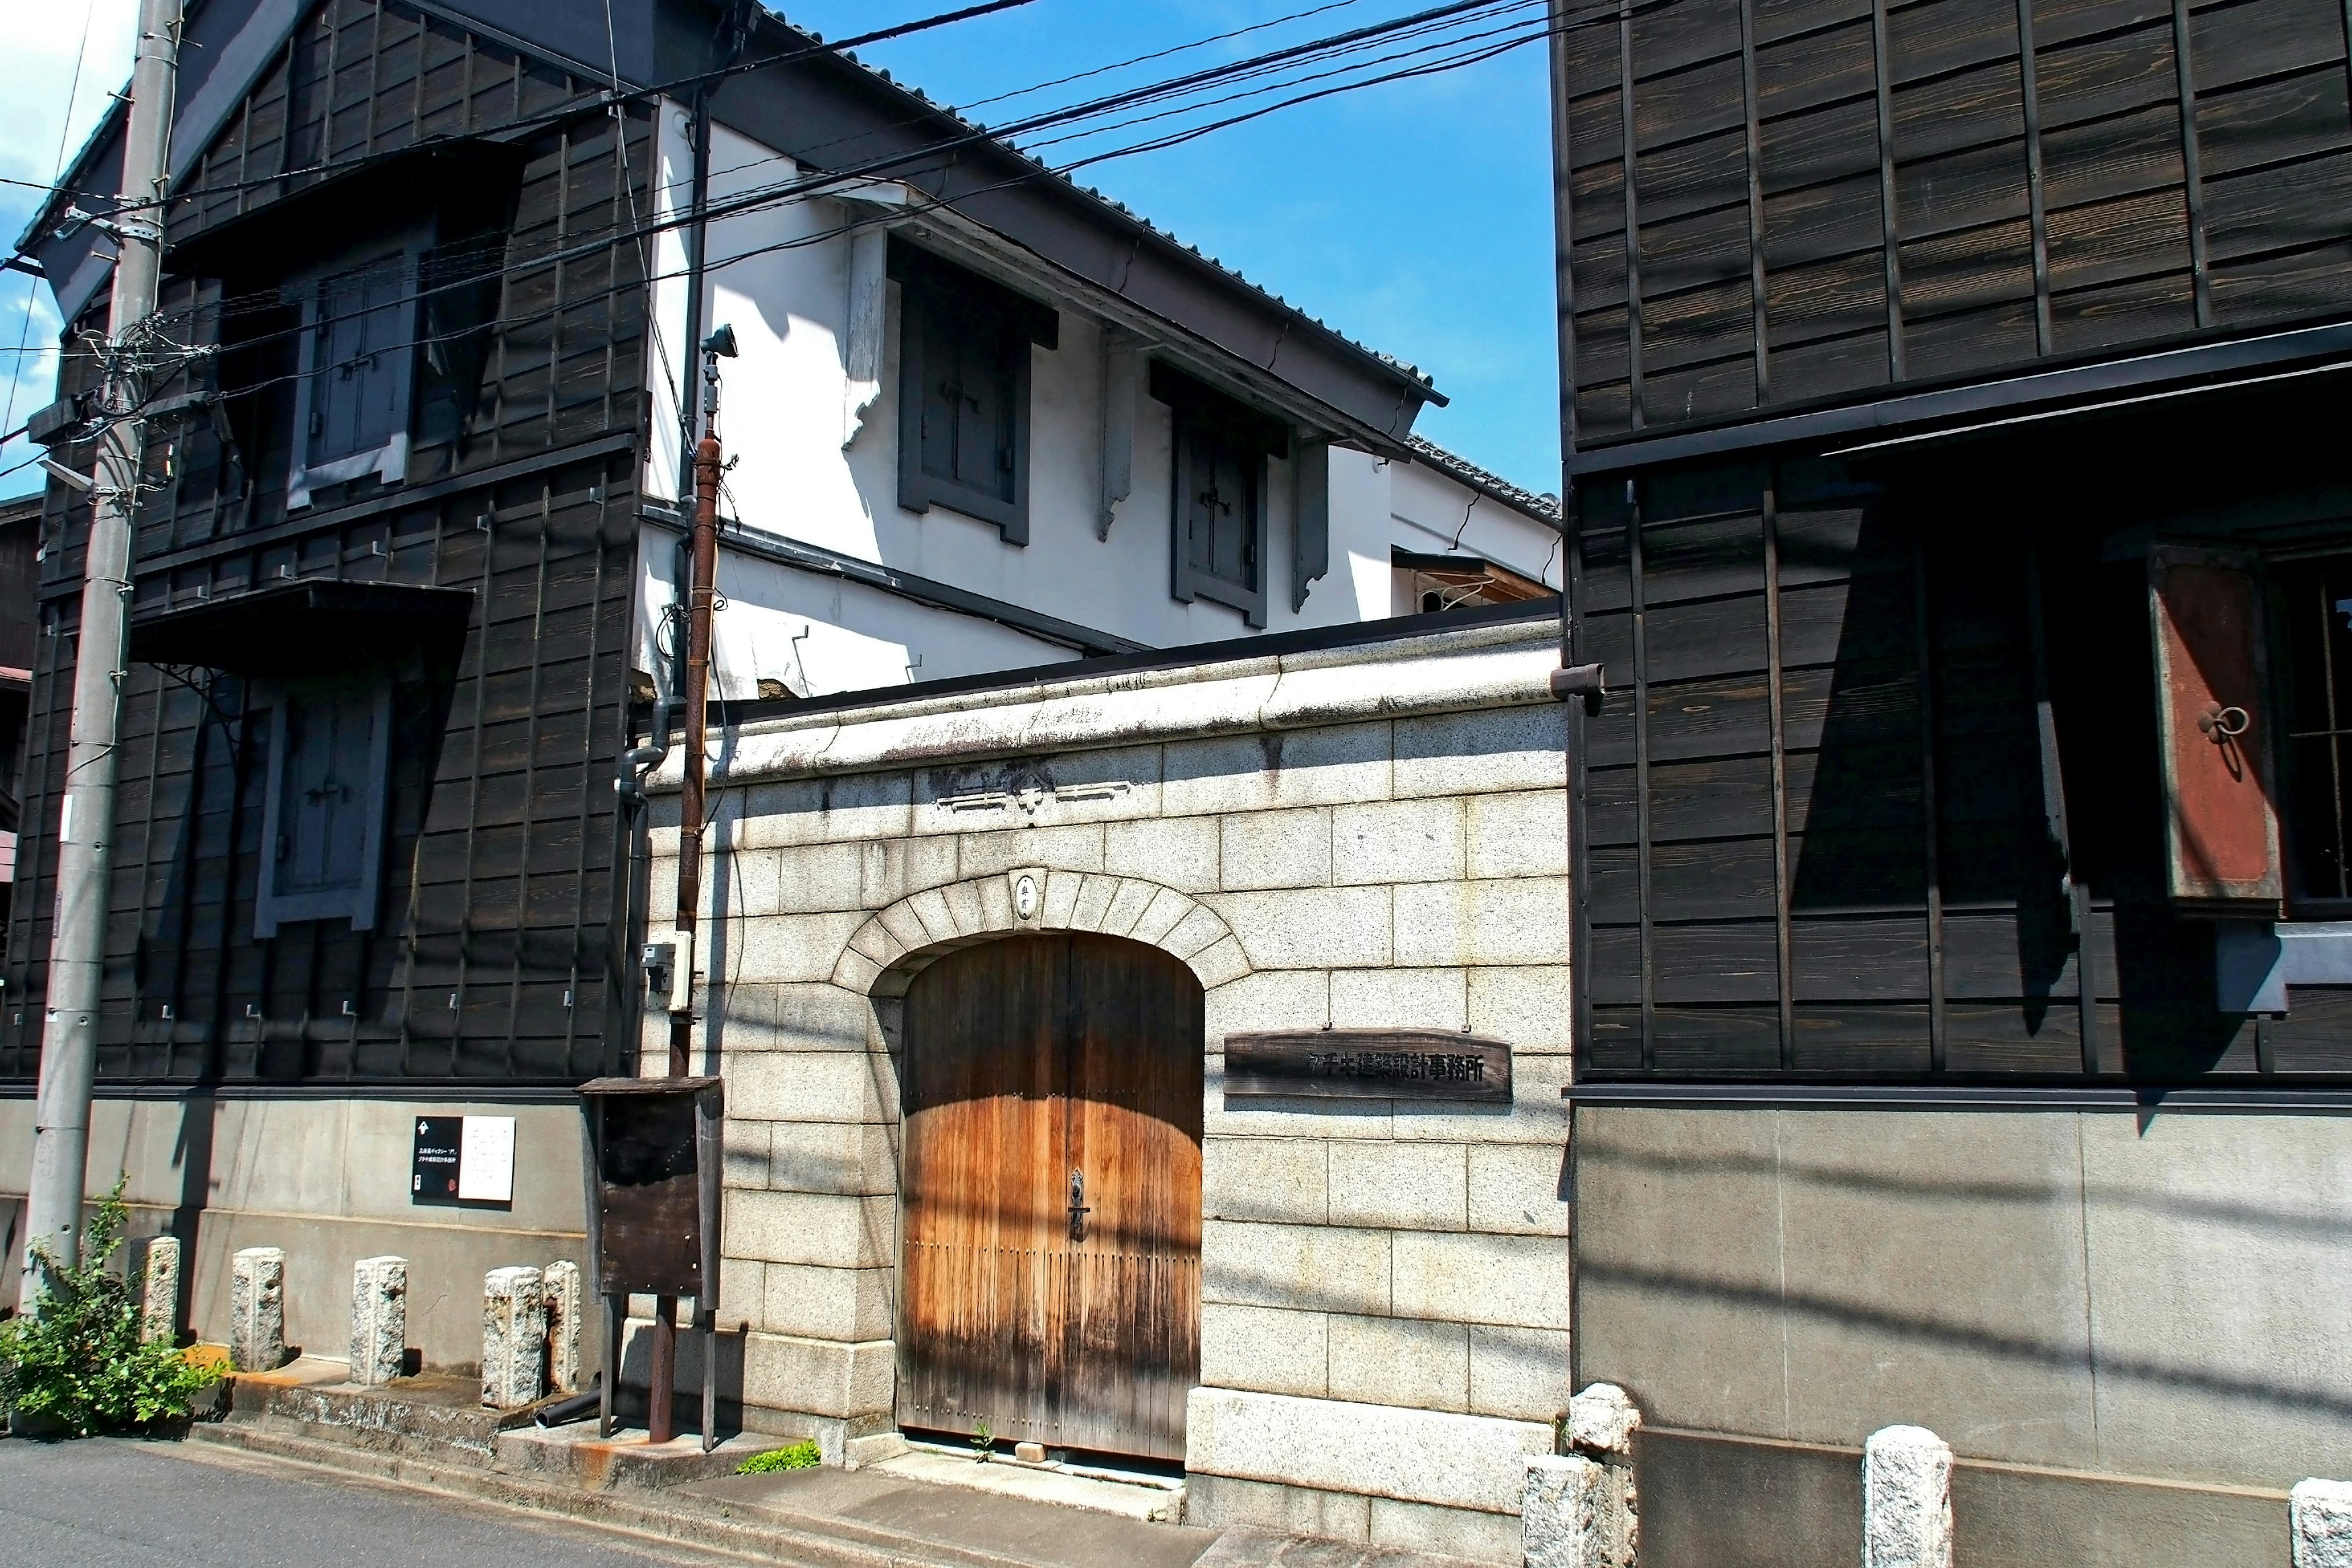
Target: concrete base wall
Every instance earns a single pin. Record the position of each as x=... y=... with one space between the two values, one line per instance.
x=2145 y=1302
x=1715 y=1501
x=327 y=1180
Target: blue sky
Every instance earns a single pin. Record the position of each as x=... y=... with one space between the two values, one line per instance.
x=40 y=46
x=1414 y=216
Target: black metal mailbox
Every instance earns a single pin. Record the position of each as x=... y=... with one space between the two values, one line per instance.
x=655 y=1154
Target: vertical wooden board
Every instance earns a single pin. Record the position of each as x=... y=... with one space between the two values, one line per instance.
x=1030 y=1060
x=2221 y=831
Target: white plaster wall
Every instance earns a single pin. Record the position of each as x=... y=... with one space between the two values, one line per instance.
x=818 y=633
x=780 y=276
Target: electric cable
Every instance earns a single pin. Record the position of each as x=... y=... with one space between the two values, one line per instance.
x=818 y=183
x=56 y=166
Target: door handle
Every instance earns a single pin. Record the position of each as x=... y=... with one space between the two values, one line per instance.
x=1078 y=1209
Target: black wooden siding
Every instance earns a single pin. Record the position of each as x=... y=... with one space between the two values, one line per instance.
x=493 y=957
x=1830 y=197
x=1817 y=841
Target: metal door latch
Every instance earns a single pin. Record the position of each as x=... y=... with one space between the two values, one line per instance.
x=1078 y=1209
x=2222 y=724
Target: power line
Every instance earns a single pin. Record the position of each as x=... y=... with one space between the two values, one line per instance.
x=582 y=105
x=819 y=182
x=822 y=181
x=57 y=172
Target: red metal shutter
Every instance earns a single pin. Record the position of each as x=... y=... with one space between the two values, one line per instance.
x=2221 y=833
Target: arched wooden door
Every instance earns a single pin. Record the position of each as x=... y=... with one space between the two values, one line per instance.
x=1050 y=1220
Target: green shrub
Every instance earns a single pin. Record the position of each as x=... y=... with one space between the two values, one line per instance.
x=80 y=1364
x=801 y=1456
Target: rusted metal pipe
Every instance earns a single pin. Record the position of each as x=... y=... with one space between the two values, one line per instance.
x=700 y=598
x=661 y=1378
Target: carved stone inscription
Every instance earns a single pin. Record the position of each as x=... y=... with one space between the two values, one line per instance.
x=1368 y=1064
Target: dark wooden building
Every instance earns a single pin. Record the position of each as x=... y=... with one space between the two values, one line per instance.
x=1954 y=415
x=415 y=668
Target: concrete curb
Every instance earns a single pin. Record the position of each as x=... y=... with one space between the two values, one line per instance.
x=776 y=1536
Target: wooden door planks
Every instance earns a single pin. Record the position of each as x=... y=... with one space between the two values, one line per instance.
x=1030 y=1059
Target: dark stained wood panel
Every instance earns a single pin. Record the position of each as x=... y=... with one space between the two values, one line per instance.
x=1916 y=225
x=493 y=955
x=1051 y=1191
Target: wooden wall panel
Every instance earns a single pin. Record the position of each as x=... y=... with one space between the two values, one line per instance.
x=2111 y=217
x=492 y=956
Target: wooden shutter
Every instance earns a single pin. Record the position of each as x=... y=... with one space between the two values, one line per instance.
x=361 y=361
x=2221 y=832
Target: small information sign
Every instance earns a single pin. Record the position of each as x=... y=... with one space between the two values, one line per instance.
x=1369 y=1064
x=486 y=1161
x=433 y=1171
x=463 y=1160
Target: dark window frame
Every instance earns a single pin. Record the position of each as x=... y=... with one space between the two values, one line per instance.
x=357 y=902
x=1200 y=414
x=944 y=308
x=387 y=461
x=2283 y=575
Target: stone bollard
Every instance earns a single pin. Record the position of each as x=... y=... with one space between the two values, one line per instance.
x=560 y=1279
x=256 y=1310
x=1580 y=1509
x=514 y=1337
x=159 y=1292
x=1907 y=1500
x=2319 y=1516
x=379 y=1319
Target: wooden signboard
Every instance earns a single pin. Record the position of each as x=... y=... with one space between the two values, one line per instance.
x=1369 y=1064
x=2221 y=830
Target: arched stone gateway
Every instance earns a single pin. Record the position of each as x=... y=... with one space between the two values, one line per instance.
x=1050 y=1188
x=1050 y=1220
x=885 y=954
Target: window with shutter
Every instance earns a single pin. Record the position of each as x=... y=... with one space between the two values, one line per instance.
x=323 y=807
x=1218 y=506
x=963 y=404
x=2222 y=829
x=358 y=355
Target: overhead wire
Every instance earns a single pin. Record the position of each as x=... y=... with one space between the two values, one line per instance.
x=818 y=183
x=56 y=167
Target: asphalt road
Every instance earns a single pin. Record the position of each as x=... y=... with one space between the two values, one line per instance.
x=120 y=1503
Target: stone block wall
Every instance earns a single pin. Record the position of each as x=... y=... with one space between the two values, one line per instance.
x=1385 y=1284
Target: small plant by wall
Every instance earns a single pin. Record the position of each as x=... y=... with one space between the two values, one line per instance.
x=801 y=1456
x=80 y=1366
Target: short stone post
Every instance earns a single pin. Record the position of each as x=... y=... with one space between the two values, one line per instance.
x=159 y=1292
x=256 y=1310
x=514 y=1337
x=379 y=1319
x=562 y=1281
x=1907 y=1500
x=1579 y=1508
x=2319 y=1516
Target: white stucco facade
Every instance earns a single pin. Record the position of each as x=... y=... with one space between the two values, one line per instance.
x=814 y=446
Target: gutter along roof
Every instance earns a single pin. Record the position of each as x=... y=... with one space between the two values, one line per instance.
x=1104 y=258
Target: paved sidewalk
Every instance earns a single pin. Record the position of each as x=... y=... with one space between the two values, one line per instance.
x=121 y=1503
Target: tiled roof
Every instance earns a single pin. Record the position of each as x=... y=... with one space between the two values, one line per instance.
x=1545 y=507
x=1401 y=366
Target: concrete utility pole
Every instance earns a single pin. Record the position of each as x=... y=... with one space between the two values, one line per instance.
x=86 y=821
